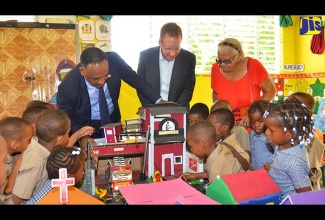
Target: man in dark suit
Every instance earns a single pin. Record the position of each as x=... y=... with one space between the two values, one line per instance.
x=78 y=92
x=169 y=68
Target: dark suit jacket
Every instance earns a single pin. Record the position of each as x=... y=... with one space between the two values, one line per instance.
x=182 y=81
x=73 y=97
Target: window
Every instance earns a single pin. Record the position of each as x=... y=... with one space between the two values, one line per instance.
x=260 y=36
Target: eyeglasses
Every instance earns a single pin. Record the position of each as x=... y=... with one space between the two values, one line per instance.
x=170 y=49
x=226 y=61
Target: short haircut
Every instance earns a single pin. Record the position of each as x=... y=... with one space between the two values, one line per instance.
x=92 y=55
x=200 y=109
x=13 y=128
x=221 y=104
x=305 y=98
x=38 y=103
x=202 y=131
x=31 y=113
x=224 y=116
x=172 y=29
x=52 y=123
x=64 y=157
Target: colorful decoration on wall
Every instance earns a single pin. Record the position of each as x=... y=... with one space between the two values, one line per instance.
x=317 y=44
x=94 y=31
x=320 y=116
x=285 y=21
x=312 y=83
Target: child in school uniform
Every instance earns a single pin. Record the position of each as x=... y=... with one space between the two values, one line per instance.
x=73 y=160
x=240 y=132
x=17 y=134
x=52 y=130
x=33 y=110
x=290 y=128
x=220 y=159
x=199 y=111
x=223 y=120
x=315 y=149
x=3 y=156
x=261 y=150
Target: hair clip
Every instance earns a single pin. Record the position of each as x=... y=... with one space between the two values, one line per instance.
x=229 y=45
x=292 y=141
x=266 y=113
x=75 y=152
x=296 y=118
x=285 y=129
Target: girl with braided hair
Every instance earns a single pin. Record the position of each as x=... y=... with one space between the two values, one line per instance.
x=73 y=160
x=70 y=158
x=290 y=128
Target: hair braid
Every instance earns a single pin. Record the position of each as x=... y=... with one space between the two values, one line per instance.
x=64 y=157
x=295 y=117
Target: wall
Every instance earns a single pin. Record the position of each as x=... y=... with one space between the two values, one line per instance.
x=31 y=52
x=296 y=50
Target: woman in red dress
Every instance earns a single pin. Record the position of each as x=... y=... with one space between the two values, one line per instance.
x=239 y=79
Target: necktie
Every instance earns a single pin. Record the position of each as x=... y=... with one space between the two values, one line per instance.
x=103 y=108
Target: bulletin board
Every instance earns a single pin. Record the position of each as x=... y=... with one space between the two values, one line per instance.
x=312 y=83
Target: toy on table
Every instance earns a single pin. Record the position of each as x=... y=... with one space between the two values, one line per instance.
x=157 y=177
x=120 y=173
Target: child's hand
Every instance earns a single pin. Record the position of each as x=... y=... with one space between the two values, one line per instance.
x=188 y=176
x=86 y=130
x=266 y=167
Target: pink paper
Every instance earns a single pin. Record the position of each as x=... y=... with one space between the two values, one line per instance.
x=164 y=193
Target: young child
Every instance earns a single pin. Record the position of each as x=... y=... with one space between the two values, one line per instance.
x=3 y=167
x=52 y=130
x=31 y=113
x=39 y=103
x=240 y=132
x=199 y=111
x=201 y=139
x=261 y=150
x=289 y=127
x=223 y=120
x=221 y=104
x=17 y=134
x=70 y=158
x=315 y=149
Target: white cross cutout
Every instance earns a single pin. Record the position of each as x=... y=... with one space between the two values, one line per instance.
x=63 y=182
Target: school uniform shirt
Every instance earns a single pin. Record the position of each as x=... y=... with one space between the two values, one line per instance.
x=242 y=136
x=315 y=152
x=289 y=169
x=3 y=197
x=261 y=150
x=32 y=172
x=222 y=161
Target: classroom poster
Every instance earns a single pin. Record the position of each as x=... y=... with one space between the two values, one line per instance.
x=94 y=31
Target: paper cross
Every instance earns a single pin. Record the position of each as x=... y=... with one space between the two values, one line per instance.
x=63 y=182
